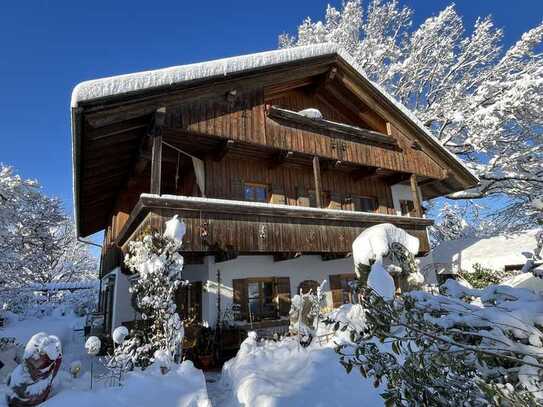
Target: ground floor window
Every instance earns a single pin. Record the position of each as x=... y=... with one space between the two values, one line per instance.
x=340 y=285
x=259 y=299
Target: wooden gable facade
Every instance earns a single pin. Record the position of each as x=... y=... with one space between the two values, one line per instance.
x=275 y=180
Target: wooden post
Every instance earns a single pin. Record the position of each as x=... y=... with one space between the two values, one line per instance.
x=156 y=164
x=156 y=154
x=317 y=175
x=416 y=196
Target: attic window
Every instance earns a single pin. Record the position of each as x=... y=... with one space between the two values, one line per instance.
x=308 y=118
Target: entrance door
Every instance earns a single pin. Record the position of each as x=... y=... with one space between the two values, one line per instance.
x=189 y=302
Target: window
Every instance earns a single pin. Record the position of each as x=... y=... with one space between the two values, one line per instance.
x=364 y=203
x=340 y=285
x=255 y=192
x=262 y=298
x=407 y=207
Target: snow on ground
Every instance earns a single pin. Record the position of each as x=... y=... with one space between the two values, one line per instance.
x=285 y=374
x=525 y=280
x=183 y=386
x=494 y=252
x=61 y=326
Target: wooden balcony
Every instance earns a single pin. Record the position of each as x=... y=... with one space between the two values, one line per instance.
x=257 y=228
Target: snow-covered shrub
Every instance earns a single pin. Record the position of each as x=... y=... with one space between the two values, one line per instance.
x=156 y=260
x=482 y=277
x=468 y=347
x=384 y=242
x=305 y=313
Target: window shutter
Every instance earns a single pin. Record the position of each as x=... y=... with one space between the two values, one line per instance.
x=237 y=189
x=335 y=288
x=282 y=290
x=277 y=194
x=240 y=296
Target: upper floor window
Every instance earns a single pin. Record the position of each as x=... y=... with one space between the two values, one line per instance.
x=364 y=203
x=255 y=192
x=407 y=207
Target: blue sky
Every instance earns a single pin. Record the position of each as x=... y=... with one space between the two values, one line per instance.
x=49 y=46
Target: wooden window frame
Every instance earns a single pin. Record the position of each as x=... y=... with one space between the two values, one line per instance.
x=281 y=304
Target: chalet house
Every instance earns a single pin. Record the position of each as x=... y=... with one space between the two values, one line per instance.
x=275 y=161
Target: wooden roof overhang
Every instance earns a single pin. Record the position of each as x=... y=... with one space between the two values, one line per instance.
x=108 y=133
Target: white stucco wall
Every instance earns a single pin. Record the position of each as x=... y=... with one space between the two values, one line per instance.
x=298 y=270
x=122 y=306
x=401 y=192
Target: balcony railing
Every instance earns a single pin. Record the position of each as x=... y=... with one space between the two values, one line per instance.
x=252 y=228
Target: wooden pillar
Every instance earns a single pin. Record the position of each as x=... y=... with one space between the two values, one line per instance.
x=156 y=164
x=317 y=175
x=156 y=154
x=416 y=197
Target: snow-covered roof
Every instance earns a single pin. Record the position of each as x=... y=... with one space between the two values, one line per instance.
x=116 y=85
x=494 y=252
x=122 y=84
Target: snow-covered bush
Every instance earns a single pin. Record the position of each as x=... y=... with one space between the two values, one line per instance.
x=156 y=260
x=467 y=347
x=305 y=313
x=379 y=244
x=482 y=277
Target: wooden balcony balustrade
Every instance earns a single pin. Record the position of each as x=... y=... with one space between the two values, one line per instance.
x=257 y=228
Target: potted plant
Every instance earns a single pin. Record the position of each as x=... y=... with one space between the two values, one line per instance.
x=204 y=348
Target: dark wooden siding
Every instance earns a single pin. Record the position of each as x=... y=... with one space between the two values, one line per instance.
x=223 y=177
x=245 y=119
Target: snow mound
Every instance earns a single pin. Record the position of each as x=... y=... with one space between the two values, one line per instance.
x=381 y=281
x=119 y=334
x=182 y=387
x=311 y=113
x=373 y=243
x=41 y=343
x=175 y=229
x=284 y=374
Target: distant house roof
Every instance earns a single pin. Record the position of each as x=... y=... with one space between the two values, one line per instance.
x=118 y=89
x=497 y=252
